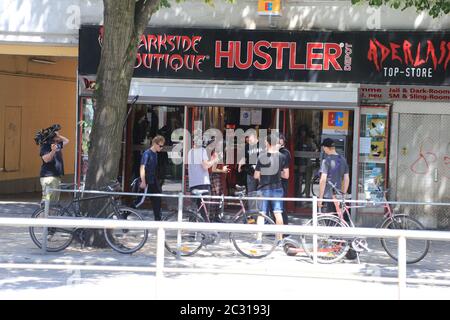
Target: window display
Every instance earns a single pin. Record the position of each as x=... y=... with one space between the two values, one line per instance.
x=373 y=151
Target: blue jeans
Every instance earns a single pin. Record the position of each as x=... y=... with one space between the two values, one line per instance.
x=277 y=205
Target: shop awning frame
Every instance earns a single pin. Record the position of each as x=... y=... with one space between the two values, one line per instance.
x=292 y=95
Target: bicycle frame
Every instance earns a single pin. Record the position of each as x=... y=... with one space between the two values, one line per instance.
x=203 y=205
x=343 y=209
x=74 y=208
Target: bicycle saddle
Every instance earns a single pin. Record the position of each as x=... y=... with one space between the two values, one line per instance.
x=198 y=192
x=240 y=188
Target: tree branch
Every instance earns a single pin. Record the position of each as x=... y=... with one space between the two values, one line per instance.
x=143 y=12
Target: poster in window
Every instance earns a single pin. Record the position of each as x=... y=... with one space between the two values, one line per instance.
x=376 y=127
x=245 y=117
x=377 y=150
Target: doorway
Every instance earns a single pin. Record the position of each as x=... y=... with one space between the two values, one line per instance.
x=305 y=129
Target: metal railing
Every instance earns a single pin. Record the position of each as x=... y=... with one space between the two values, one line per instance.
x=161 y=228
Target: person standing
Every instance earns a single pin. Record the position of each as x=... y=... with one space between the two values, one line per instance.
x=334 y=169
x=271 y=167
x=52 y=168
x=248 y=163
x=285 y=182
x=198 y=169
x=148 y=173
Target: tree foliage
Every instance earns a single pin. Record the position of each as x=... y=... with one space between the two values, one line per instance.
x=435 y=8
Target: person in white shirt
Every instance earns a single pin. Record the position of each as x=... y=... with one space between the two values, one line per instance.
x=198 y=165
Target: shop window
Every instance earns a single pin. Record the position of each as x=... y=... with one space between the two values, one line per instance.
x=86 y=121
x=373 y=152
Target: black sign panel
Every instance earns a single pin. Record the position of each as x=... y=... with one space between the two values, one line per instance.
x=408 y=58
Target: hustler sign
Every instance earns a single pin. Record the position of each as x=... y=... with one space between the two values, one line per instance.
x=266 y=55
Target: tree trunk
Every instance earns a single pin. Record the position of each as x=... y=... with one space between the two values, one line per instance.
x=124 y=22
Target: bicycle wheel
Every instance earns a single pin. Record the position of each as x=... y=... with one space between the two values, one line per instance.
x=331 y=248
x=315 y=180
x=57 y=238
x=254 y=245
x=126 y=241
x=187 y=242
x=416 y=249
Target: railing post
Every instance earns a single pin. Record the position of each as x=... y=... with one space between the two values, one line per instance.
x=315 y=211
x=179 y=219
x=161 y=237
x=401 y=267
x=46 y=211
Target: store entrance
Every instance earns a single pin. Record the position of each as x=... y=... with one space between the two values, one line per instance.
x=144 y=122
x=305 y=129
x=229 y=118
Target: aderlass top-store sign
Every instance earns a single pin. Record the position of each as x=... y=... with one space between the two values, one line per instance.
x=400 y=58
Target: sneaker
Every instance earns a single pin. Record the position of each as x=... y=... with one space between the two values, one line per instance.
x=351 y=255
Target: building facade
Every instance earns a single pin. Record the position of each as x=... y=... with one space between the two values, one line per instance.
x=379 y=116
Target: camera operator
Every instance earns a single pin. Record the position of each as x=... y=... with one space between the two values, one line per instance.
x=52 y=168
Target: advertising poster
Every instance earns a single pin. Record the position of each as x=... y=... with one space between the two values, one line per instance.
x=376 y=127
x=245 y=117
x=256 y=117
x=377 y=150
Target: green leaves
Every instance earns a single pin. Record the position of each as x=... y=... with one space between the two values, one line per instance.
x=435 y=8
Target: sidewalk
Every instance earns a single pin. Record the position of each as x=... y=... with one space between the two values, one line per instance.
x=279 y=276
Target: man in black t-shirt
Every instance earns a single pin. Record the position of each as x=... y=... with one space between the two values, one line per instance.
x=285 y=182
x=271 y=167
x=52 y=168
x=248 y=163
x=334 y=168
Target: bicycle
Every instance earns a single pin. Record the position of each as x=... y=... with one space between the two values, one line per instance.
x=331 y=249
x=254 y=245
x=121 y=240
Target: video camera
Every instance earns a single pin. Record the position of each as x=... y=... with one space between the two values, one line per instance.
x=46 y=135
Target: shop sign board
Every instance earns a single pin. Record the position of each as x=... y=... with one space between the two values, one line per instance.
x=366 y=57
x=398 y=93
x=335 y=122
x=269 y=7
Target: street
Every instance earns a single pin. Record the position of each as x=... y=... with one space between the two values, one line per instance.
x=229 y=275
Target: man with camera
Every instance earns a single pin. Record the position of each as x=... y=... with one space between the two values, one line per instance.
x=52 y=168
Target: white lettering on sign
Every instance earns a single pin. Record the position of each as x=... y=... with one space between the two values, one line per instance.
x=392 y=93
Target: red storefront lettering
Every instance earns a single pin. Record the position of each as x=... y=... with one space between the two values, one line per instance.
x=319 y=55
x=249 y=59
x=263 y=55
x=330 y=57
x=224 y=54
x=408 y=57
x=279 y=46
x=293 y=57
x=312 y=56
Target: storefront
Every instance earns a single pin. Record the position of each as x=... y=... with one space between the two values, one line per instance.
x=306 y=84
x=419 y=147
